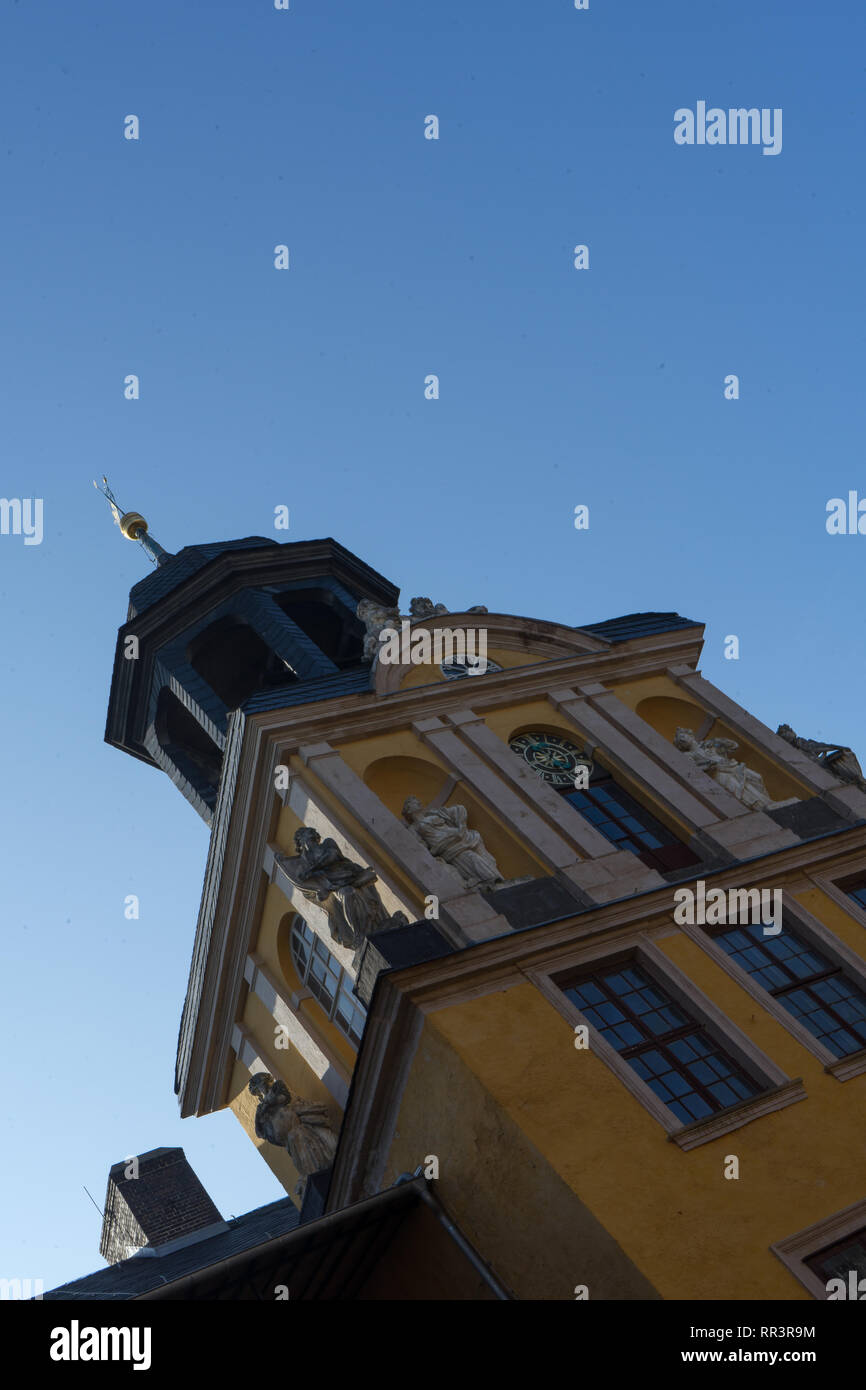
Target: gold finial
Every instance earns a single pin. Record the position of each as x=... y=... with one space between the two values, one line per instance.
x=132 y=525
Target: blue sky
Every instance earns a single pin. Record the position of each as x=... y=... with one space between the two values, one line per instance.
x=306 y=388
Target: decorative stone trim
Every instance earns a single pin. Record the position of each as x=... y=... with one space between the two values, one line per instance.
x=794 y=1250
x=740 y=833
x=735 y=1116
x=622 y=750
x=846 y=1067
x=668 y=757
x=247 y=1049
x=306 y=1039
x=522 y=820
x=781 y=1089
x=540 y=641
x=830 y=885
x=546 y=802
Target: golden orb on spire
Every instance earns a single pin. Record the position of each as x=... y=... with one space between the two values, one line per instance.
x=132 y=525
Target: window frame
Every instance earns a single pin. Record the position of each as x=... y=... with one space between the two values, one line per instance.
x=842 y=1068
x=662 y=1042
x=793 y=1251
x=334 y=966
x=778 y=1088
x=831 y=884
x=650 y=858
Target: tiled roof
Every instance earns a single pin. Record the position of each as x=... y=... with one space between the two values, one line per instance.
x=324 y=688
x=637 y=625
x=187 y=561
x=140 y=1273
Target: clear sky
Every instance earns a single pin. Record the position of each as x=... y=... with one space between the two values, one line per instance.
x=305 y=388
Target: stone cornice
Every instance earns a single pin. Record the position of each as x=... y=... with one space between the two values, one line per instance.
x=357 y=716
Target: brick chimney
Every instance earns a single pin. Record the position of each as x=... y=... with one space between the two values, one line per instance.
x=164 y=1206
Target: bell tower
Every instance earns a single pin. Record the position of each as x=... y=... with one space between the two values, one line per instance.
x=218 y=624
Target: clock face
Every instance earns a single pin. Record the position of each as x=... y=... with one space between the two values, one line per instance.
x=470 y=666
x=552 y=757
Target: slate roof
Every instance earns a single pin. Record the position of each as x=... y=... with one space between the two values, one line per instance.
x=324 y=688
x=637 y=625
x=141 y=1273
x=187 y=561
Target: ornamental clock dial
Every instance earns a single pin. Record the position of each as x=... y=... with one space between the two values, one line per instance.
x=552 y=757
x=468 y=666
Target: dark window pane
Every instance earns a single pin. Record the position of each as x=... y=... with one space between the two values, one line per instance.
x=806 y=983
x=623 y=821
x=671 y=1052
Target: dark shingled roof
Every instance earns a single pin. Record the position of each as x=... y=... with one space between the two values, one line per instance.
x=140 y=1273
x=187 y=561
x=324 y=688
x=637 y=625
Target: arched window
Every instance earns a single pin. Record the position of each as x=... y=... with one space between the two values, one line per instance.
x=603 y=802
x=325 y=977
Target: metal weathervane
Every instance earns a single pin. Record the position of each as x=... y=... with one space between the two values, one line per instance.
x=132 y=525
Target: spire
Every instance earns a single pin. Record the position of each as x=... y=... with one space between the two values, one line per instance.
x=133 y=525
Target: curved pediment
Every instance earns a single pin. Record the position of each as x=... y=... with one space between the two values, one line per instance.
x=511 y=641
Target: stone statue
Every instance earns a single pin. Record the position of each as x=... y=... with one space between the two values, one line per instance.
x=444 y=831
x=425 y=608
x=344 y=889
x=713 y=756
x=301 y=1126
x=375 y=617
x=835 y=757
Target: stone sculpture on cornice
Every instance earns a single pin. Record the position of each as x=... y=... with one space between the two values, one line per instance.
x=835 y=757
x=713 y=756
x=302 y=1127
x=446 y=834
x=345 y=890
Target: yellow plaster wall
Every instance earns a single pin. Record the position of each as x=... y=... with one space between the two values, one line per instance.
x=841 y=923
x=691 y=1232
x=510 y=1204
x=431 y=675
x=633 y=691
x=399 y=765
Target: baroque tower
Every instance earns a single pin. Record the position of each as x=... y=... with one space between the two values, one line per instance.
x=558 y=936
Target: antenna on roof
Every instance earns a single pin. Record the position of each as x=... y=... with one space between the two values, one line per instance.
x=101 y=1213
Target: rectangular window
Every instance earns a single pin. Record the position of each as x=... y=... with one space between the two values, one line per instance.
x=623 y=821
x=833 y=1248
x=806 y=983
x=836 y=1261
x=856 y=889
x=670 y=1051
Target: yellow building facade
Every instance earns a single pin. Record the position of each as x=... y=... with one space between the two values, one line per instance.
x=616 y=1088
